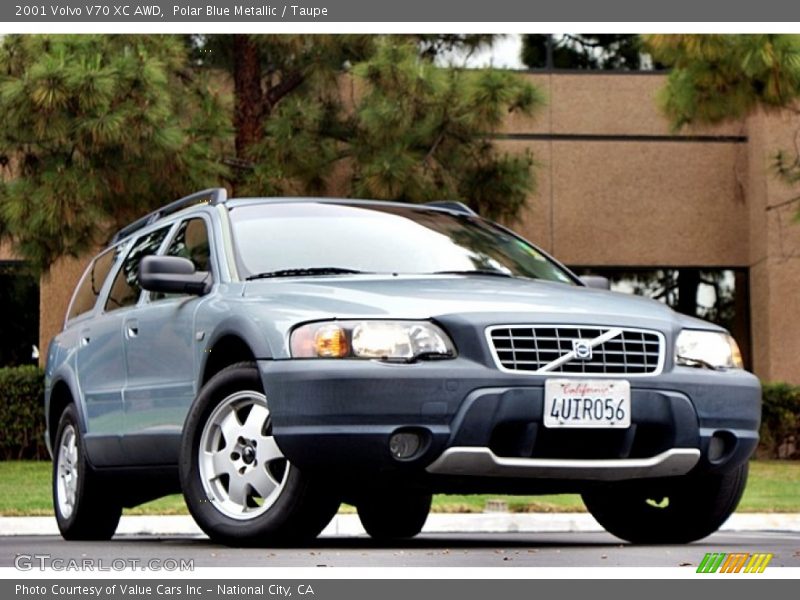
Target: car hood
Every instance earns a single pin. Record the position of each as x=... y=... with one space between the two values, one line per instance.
x=423 y=297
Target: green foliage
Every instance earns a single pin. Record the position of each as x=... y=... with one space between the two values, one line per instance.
x=415 y=132
x=98 y=129
x=582 y=51
x=720 y=77
x=22 y=413
x=780 y=421
x=715 y=78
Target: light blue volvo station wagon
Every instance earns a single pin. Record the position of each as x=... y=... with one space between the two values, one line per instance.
x=272 y=358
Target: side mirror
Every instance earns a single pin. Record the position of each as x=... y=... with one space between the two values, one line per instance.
x=172 y=275
x=596 y=281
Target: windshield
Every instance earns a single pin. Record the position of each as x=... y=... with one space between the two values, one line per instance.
x=308 y=238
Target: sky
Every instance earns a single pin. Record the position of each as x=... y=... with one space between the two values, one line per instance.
x=504 y=53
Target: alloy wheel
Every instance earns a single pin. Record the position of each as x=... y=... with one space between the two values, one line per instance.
x=242 y=470
x=67 y=478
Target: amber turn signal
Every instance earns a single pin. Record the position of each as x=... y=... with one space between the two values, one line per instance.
x=330 y=341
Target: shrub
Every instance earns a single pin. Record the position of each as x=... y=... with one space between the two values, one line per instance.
x=22 y=417
x=22 y=413
x=780 y=421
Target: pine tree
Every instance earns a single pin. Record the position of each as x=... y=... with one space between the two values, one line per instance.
x=98 y=129
x=714 y=78
x=400 y=128
x=593 y=51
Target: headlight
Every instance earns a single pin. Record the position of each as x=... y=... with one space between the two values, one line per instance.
x=711 y=349
x=386 y=340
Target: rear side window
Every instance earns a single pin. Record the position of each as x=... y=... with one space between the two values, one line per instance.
x=89 y=289
x=125 y=290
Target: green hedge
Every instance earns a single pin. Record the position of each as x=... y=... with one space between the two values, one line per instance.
x=780 y=421
x=22 y=417
x=22 y=413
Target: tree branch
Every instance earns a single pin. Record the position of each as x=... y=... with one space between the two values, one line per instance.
x=285 y=86
x=782 y=204
x=433 y=147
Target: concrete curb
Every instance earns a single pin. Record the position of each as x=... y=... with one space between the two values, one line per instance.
x=349 y=525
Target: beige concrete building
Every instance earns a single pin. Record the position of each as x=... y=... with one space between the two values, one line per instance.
x=618 y=188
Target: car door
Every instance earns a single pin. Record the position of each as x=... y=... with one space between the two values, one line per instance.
x=99 y=361
x=159 y=340
x=102 y=360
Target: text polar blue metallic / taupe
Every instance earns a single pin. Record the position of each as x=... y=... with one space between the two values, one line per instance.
x=415 y=11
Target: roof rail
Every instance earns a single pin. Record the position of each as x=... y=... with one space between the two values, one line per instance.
x=453 y=206
x=210 y=196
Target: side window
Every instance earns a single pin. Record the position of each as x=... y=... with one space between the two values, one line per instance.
x=86 y=295
x=125 y=290
x=191 y=241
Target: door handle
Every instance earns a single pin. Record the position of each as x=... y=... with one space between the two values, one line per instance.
x=132 y=328
x=85 y=341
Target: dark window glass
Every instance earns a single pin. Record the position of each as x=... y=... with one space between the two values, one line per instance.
x=86 y=295
x=125 y=289
x=19 y=305
x=378 y=238
x=191 y=241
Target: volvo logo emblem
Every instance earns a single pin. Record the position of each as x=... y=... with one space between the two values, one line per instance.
x=582 y=349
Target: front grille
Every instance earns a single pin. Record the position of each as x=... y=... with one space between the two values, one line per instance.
x=531 y=348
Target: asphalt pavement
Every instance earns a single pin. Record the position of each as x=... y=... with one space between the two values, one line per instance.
x=567 y=549
x=485 y=540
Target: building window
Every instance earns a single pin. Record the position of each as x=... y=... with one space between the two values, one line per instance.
x=717 y=295
x=19 y=305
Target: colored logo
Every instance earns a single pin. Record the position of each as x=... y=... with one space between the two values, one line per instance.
x=737 y=562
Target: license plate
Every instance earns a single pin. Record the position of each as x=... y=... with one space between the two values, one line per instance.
x=595 y=403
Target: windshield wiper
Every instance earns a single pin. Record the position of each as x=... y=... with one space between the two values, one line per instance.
x=489 y=272
x=303 y=272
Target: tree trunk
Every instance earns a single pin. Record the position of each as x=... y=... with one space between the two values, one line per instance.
x=248 y=95
x=688 y=282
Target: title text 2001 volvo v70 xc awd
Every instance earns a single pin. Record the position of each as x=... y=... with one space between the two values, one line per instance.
x=272 y=358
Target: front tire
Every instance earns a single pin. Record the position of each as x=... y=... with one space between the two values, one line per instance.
x=84 y=508
x=675 y=512
x=238 y=486
x=393 y=515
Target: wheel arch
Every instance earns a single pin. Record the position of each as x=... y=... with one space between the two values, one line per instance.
x=227 y=349
x=61 y=396
x=234 y=339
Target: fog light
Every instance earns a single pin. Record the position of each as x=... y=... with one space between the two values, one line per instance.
x=716 y=448
x=404 y=445
x=720 y=446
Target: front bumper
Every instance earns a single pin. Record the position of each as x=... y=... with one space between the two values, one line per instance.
x=474 y=461
x=481 y=424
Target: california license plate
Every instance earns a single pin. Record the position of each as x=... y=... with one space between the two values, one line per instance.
x=595 y=403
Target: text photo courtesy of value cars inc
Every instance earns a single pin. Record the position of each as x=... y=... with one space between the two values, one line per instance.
x=300 y=303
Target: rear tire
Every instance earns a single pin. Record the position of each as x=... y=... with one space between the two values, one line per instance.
x=237 y=484
x=393 y=516
x=85 y=509
x=670 y=512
